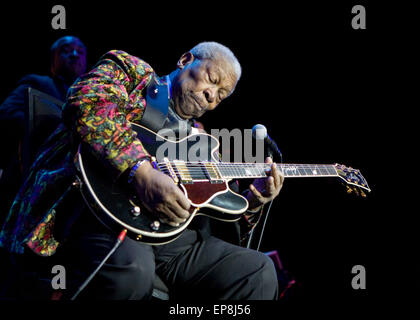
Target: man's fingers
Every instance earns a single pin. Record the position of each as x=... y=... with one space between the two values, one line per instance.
x=281 y=179
x=182 y=200
x=166 y=220
x=270 y=185
x=180 y=213
x=181 y=205
x=277 y=175
x=168 y=216
x=274 y=172
x=256 y=193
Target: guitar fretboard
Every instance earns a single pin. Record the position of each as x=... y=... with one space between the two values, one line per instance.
x=259 y=170
x=189 y=171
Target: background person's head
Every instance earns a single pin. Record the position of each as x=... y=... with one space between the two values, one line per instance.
x=205 y=76
x=68 y=58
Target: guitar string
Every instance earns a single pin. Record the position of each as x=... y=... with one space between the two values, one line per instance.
x=241 y=164
x=209 y=168
x=242 y=169
x=205 y=174
x=250 y=166
x=245 y=167
x=186 y=167
x=208 y=177
x=203 y=170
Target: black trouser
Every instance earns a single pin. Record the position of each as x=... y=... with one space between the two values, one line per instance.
x=193 y=268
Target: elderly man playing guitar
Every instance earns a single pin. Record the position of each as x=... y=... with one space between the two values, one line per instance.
x=51 y=220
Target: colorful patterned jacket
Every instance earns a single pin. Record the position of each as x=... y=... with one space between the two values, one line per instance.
x=99 y=108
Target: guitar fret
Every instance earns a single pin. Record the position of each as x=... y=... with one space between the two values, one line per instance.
x=331 y=170
x=322 y=170
x=254 y=170
x=301 y=171
x=238 y=171
x=261 y=170
x=308 y=171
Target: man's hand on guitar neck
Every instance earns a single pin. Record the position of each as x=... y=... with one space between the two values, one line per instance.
x=263 y=190
x=159 y=194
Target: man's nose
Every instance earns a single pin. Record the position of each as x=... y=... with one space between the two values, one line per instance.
x=210 y=95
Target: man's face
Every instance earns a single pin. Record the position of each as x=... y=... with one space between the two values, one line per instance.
x=70 y=59
x=201 y=85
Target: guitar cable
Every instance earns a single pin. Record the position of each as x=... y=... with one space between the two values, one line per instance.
x=266 y=215
x=119 y=241
x=263 y=226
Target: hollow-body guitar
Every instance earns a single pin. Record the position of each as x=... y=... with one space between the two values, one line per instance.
x=192 y=162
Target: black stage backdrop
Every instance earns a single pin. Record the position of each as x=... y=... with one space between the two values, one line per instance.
x=326 y=92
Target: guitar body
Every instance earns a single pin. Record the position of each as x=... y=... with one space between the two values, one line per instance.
x=115 y=205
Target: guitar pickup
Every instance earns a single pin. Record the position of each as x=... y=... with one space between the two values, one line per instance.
x=212 y=173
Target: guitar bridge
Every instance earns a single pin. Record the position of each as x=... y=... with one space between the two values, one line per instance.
x=182 y=172
x=171 y=170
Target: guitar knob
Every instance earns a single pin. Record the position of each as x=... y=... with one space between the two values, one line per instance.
x=135 y=211
x=155 y=225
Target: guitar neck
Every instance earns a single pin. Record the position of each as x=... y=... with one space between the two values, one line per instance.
x=259 y=170
x=193 y=171
x=218 y=171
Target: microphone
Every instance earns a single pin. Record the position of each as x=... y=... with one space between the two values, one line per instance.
x=259 y=132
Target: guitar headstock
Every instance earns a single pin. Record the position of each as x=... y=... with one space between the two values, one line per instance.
x=354 y=180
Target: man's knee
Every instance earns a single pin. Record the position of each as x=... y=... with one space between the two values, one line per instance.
x=127 y=274
x=131 y=281
x=131 y=272
x=269 y=278
x=265 y=277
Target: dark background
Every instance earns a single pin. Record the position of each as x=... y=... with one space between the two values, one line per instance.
x=326 y=93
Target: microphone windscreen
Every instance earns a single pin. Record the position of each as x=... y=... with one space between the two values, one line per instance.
x=259 y=132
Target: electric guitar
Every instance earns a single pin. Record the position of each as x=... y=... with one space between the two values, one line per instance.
x=192 y=162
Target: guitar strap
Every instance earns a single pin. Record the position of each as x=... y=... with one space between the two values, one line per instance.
x=159 y=114
x=157 y=105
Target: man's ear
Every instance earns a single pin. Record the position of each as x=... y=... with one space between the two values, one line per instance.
x=185 y=59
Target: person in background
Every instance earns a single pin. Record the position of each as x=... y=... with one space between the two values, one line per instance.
x=68 y=62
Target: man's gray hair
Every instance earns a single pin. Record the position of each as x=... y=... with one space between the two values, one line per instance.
x=215 y=51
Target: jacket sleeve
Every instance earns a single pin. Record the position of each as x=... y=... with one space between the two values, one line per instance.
x=102 y=103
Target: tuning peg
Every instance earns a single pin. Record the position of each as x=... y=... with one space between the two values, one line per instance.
x=356 y=191
x=348 y=189
x=363 y=194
